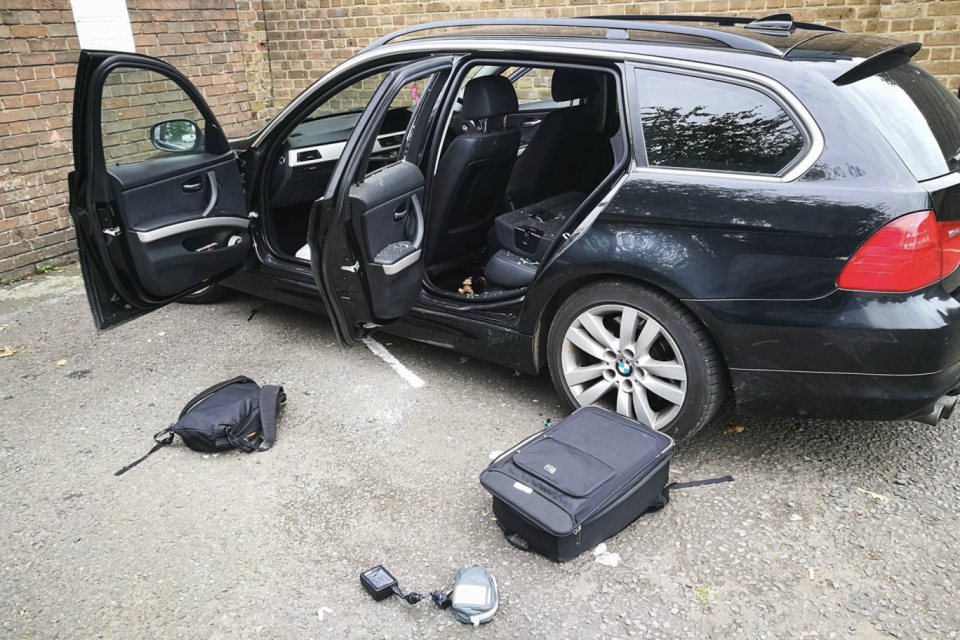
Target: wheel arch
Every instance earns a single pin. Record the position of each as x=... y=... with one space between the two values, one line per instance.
x=561 y=294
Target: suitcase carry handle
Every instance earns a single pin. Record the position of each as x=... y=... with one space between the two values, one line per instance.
x=507 y=533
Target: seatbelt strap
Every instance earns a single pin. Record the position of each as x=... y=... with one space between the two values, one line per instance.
x=161 y=443
x=271 y=397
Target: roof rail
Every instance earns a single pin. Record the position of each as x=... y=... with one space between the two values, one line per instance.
x=720 y=21
x=621 y=23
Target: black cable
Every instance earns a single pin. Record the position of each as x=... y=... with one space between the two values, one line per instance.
x=413 y=597
x=441 y=600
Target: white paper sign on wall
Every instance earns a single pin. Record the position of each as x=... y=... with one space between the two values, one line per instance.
x=103 y=24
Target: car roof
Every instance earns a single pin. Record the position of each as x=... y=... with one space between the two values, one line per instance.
x=777 y=36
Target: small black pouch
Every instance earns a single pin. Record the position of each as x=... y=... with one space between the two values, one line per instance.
x=236 y=414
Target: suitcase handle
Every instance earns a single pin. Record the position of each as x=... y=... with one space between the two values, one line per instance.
x=507 y=533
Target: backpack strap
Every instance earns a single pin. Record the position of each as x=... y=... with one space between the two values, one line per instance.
x=271 y=397
x=203 y=395
x=161 y=443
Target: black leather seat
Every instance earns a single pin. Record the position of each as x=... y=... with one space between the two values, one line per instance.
x=507 y=269
x=520 y=239
x=570 y=151
x=472 y=176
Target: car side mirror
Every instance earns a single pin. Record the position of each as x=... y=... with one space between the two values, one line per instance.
x=178 y=136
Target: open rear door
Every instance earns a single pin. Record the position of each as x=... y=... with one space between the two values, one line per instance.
x=156 y=194
x=366 y=233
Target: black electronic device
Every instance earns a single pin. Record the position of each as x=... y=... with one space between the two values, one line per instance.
x=380 y=584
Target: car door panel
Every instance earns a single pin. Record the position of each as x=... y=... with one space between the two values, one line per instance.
x=150 y=229
x=366 y=233
x=146 y=205
x=379 y=202
x=388 y=219
x=182 y=228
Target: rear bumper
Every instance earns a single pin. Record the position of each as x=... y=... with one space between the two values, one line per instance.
x=840 y=396
x=849 y=355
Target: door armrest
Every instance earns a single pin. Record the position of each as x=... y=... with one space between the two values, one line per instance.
x=397 y=256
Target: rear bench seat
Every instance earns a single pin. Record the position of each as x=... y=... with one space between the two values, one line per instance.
x=521 y=238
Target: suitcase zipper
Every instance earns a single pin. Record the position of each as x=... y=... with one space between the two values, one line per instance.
x=577 y=533
x=516 y=448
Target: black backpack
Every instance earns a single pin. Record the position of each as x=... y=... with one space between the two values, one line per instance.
x=236 y=414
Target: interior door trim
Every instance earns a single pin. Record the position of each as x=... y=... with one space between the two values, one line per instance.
x=190 y=225
x=214 y=196
x=401 y=264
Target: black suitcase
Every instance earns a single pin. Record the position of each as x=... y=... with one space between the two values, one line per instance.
x=570 y=487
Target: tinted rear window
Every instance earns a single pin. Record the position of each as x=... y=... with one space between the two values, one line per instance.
x=918 y=116
x=697 y=123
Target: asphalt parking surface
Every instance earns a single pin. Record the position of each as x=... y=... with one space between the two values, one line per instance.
x=369 y=470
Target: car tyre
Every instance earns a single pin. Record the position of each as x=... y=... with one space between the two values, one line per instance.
x=672 y=375
x=206 y=295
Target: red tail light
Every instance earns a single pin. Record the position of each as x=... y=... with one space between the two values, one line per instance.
x=950 y=238
x=910 y=253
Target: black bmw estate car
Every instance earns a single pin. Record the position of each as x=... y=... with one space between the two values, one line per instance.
x=656 y=209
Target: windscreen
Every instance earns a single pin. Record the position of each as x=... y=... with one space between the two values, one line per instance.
x=917 y=115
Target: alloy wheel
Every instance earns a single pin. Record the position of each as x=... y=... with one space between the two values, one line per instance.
x=618 y=357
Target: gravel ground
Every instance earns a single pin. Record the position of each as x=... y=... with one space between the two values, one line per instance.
x=831 y=530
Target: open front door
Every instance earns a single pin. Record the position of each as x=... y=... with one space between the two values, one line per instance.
x=156 y=194
x=366 y=233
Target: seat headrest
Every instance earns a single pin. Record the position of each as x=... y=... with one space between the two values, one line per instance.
x=488 y=97
x=573 y=84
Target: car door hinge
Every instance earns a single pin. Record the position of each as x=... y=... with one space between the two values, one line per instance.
x=352 y=268
x=113 y=231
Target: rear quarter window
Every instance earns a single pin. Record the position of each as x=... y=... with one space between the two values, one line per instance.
x=691 y=122
x=917 y=115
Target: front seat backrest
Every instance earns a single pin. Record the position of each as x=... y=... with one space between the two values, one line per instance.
x=472 y=175
x=562 y=155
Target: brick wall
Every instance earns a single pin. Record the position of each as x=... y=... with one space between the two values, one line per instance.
x=256 y=58
x=38 y=53
x=250 y=57
x=307 y=38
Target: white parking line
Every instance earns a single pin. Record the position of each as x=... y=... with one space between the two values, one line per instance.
x=381 y=352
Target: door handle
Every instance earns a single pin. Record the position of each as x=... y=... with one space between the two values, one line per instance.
x=400 y=213
x=214 y=193
x=531 y=123
x=418 y=217
x=193 y=184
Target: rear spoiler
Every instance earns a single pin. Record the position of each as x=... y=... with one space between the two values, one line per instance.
x=852 y=57
x=878 y=63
